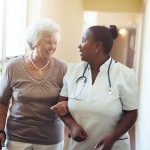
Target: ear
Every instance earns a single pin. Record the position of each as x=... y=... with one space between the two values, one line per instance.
x=98 y=46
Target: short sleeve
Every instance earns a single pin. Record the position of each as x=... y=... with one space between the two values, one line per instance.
x=5 y=88
x=129 y=94
x=64 y=90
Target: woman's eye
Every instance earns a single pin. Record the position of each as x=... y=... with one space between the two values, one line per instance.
x=51 y=43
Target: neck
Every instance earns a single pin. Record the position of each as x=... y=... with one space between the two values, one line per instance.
x=39 y=61
x=40 y=65
x=97 y=63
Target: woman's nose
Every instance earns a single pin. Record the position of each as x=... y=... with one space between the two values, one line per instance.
x=52 y=45
x=79 y=46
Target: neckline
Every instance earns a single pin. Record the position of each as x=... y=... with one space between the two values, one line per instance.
x=39 y=69
x=104 y=65
x=33 y=78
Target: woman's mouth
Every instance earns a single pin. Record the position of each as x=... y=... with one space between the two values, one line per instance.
x=81 y=53
x=49 y=51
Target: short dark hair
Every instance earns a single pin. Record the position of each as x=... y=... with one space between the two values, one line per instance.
x=105 y=35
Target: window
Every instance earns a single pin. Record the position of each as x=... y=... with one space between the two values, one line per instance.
x=12 y=29
x=1 y=28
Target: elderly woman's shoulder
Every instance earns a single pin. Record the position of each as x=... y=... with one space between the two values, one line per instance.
x=60 y=62
x=14 y=61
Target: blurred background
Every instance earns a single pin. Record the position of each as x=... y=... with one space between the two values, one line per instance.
x=74 y=16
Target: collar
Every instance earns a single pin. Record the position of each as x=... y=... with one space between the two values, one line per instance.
x=104 y=66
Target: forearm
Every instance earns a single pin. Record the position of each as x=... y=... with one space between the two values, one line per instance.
x=76 y=131
x=3 y=115
x=125 y=124
x=67 y=119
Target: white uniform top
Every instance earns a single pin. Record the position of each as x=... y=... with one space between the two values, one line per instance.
x=97 y=111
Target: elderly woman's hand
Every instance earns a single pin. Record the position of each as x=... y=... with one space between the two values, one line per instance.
x=61 y=108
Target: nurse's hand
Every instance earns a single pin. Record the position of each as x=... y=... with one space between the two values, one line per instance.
x=2 y=140
x=77 y=133
x=105 y=143
x=61 y=108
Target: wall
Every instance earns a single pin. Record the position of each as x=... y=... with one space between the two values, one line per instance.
x=113 y=5
x=119 y=50
x=69 y=15
x=125 y=20
x=120 y=19
x=144 y=78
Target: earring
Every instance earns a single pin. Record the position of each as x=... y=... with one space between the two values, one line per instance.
x=96 y=51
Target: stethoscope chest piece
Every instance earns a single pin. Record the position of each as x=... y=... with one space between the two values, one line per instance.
x=110 y=91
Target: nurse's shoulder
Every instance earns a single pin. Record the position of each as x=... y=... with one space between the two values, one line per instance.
x=124 y=71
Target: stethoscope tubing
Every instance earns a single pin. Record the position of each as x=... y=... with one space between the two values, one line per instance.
x=85 y=78
x=108 y=75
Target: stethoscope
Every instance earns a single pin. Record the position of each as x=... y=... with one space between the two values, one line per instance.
x=84 y=78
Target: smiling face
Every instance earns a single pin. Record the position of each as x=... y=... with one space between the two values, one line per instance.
x=88 y=47
x=46 y=46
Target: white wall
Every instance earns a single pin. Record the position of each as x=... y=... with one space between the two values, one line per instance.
x=69 y=15
x=144 y=116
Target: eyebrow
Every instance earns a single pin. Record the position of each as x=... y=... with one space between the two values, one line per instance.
x=50 y=40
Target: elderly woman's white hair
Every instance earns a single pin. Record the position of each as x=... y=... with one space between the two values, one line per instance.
x=39 y=28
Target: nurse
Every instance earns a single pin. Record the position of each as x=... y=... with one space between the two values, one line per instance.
x=101 y=96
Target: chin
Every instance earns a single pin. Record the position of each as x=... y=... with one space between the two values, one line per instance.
x=82 y=58
x=47 y=57
x=48 y=54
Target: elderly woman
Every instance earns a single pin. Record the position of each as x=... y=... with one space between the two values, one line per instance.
x=101 y=94
x=33 y=82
